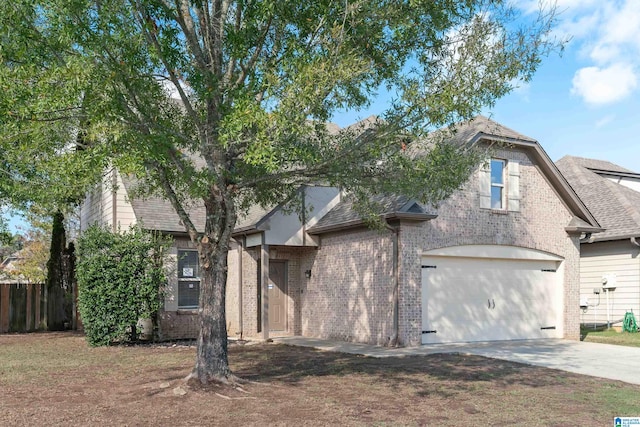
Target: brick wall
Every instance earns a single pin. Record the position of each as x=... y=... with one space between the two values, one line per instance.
x=349 y=296
x=179 y=324
x=296 y=259
x=538 y=225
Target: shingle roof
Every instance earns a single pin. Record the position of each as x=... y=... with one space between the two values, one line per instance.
x=155 y=213
x=481 y=126
x=616 y=207
x=344 y=212
x=158 y=214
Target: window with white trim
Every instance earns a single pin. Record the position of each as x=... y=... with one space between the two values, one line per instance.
x=188 y=279
x=497 y=184
x=500 y=185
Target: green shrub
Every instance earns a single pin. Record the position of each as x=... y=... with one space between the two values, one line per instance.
x=119 y=280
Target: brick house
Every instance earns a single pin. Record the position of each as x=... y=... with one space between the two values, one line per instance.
x=609 y=261
x=499 y=260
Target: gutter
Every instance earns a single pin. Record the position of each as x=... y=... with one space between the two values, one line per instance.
x=588 y=238
x=406 y=216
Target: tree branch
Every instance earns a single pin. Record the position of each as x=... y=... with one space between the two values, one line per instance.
x=173 y=199
x=256 y=54
x=231 y=64
x=153 y=38
x=185 y=20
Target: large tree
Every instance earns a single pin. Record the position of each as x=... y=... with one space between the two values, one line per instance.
x=46 y=162
x=225 y=103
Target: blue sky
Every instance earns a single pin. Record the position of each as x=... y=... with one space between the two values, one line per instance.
x=584 y=103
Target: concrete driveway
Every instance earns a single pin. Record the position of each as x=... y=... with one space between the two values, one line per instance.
x=598 y=360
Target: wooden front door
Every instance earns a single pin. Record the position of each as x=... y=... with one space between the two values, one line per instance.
x=277 y=296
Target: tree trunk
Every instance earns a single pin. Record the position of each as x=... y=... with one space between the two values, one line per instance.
x=56 y=316
x=70 y=285
x=212 y=364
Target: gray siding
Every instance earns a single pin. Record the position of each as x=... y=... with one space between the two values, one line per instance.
x=619 y=258
x=98 y=206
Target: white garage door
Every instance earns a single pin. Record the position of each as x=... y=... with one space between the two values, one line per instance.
x=485 y=299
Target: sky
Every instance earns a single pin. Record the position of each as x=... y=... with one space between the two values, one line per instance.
x=586 y=102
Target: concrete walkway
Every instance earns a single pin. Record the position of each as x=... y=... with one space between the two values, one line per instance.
x=598 y=360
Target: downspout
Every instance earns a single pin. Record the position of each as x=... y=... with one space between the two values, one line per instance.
x=393 y=340
x=635 y=242
x=264 y=284
x=241 y=245
x=114 y=199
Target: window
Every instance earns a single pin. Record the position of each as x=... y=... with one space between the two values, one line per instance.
x=188 y=279
x=499 y=188
x=497 y=184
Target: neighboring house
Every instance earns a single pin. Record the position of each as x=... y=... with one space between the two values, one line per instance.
x=496 y=261
x=609 y=261
x=9 y=264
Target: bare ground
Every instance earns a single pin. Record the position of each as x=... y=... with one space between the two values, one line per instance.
x=56 y=379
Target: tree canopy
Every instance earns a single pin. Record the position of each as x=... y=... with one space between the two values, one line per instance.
x=226 y=103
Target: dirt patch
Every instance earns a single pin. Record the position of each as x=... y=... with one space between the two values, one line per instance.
x=56 y=379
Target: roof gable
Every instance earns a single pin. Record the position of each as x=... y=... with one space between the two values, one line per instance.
x=484 y=129
x=344 y=215
x=480 y=129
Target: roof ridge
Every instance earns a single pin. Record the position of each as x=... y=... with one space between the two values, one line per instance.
x=597 y=164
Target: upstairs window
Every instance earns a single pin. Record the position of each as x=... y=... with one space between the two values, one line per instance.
x=497 y=184
x=499 y=181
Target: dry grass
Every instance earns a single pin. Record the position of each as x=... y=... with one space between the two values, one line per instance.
x=56 y=379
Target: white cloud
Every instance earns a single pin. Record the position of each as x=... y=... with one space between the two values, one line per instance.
x=604 y=85
x=605 y=36
x=622 y=26
x=605 y=120
x=576 y=27
x=562 y=6
x=522 y=89
x=617 y=33
x=604 y=40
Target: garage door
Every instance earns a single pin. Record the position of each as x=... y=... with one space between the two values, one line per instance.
x=484 y=298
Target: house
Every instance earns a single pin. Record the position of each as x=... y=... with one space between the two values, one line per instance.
x=498 y=260
x=10 y=263
x=609 y=261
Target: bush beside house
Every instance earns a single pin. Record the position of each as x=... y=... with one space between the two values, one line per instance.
x=119 y=279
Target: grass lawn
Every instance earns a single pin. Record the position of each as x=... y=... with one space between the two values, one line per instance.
x=611 y=336
x=56 y=379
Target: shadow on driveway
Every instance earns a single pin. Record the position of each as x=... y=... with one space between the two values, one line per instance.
x=598 y=360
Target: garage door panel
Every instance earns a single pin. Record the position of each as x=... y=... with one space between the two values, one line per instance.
x=467 y=299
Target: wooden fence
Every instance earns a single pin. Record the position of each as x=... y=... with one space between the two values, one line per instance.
x=22 y=307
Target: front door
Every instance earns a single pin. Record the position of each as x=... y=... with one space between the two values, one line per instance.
x=277 y=295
